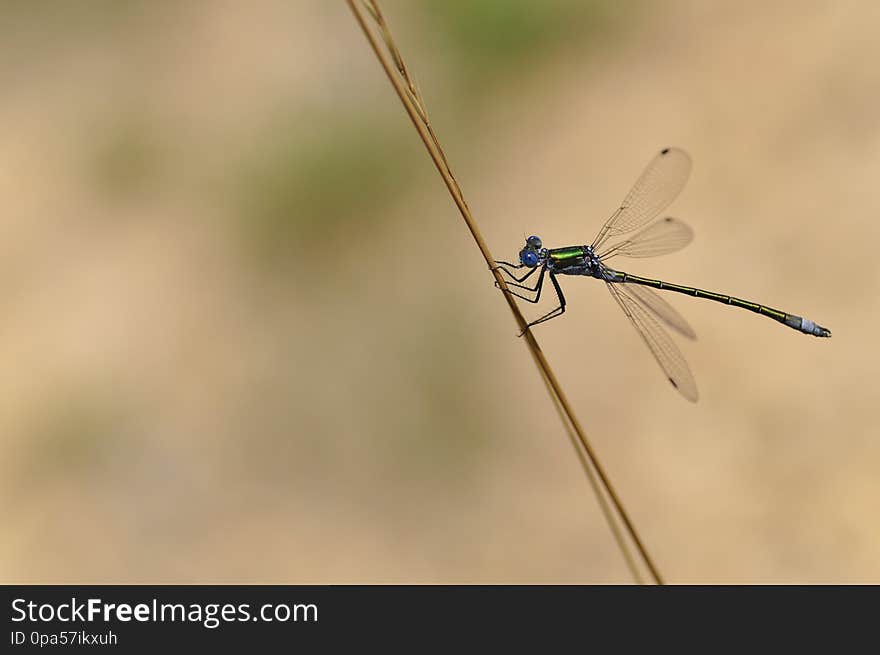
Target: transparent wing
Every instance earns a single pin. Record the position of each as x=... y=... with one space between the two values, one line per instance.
x=658 y=341
x=659 y=184
x=659 y=238
x=661 y=309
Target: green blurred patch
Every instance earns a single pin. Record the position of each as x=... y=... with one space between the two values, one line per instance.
x=309 y=181
x=129 y=158
x=424 y=425
x=445 y=431
x=494 y=37
x=72 y=435
x=306 y=183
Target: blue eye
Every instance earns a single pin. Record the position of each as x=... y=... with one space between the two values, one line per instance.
x=534 y=241
x=529 y=258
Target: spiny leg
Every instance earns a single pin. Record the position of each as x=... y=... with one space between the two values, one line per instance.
x=501 y=267
x=526 y=298
x=520 y=279
x=559 y=311
x=538 y=287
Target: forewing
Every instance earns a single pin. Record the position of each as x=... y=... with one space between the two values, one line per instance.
x=659 y=184
x=659 y=238
x=658 y=341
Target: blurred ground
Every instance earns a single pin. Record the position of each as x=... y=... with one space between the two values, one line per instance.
x=248 y=339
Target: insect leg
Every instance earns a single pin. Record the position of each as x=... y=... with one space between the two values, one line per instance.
x=559 y=311
x=501 y=267
x=519 y=279
x=538 y=287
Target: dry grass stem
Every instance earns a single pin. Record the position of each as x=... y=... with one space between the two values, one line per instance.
x=409 y=94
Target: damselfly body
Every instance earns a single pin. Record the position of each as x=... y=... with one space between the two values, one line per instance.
x=658 y=186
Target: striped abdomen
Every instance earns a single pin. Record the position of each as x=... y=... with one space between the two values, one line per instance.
x=799 y=323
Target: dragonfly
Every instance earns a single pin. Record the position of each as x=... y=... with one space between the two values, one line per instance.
x=632 y=231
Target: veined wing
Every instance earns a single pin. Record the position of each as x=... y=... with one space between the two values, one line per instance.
x=660 y=308
x=658 y=341
x=659 y=184
x=659 y=238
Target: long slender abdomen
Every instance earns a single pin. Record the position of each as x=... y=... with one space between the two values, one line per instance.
x=798 y=323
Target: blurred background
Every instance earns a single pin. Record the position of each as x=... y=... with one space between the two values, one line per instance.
x=247 y=337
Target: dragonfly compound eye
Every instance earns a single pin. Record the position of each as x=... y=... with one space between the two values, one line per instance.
x=534 y=242
x=529 y=258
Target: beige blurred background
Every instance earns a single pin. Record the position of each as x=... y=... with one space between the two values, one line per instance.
x=247 y=338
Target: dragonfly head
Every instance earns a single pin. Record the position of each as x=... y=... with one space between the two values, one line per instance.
x=533 y=252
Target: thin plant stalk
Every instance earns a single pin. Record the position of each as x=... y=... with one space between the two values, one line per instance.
x=410 y=96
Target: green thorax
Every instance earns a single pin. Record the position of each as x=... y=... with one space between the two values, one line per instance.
x=568 y=255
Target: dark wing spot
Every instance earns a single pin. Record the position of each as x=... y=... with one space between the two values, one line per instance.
x=665 y=151
x=672 y=382
x=669 y=219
